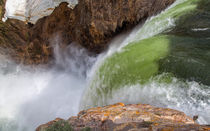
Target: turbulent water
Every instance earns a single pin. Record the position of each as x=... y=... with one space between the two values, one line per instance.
x=164 y=62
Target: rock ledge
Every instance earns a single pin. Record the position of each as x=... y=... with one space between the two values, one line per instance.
x=120 y=117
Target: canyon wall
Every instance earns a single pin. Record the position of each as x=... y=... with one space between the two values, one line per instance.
x=91 y=23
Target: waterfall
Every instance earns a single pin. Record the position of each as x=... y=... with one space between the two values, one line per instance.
x=156 y=65
x=163 y=62
x=30 y=97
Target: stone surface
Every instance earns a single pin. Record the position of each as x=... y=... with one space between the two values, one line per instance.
x=32 y=10
x=92 y=24
x=120 y=117
x=15 y=43
x=2 y=9
x=95 y=22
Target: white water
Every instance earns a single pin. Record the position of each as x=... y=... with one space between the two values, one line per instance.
x=152 y=26
x=30 y=97
x=189 y=97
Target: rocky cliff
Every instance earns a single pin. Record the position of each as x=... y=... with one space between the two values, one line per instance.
x=15 y=41
x=92 y=24
x=120 y=117
x=2 y=9
x=104 y=19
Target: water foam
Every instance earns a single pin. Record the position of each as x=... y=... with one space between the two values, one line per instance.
x=189 y=97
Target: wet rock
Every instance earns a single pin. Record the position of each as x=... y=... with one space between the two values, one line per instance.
x=92 y=24
x=132 y=117
x=15 y=43
x=2 y=9
x=104 y=19
x=18 y=43
x=32 y=10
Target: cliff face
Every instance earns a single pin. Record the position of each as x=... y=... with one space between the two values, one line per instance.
x=15 y=41
x=104 y=19
x=92 y=23
x=2 y=10
x=120 y=117
x=32 y=10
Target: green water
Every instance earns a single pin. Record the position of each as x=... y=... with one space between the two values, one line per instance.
x=135 y=64
x=172 y=49
x=165 y=62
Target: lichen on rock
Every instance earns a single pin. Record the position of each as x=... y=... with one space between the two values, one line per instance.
x=120 y=117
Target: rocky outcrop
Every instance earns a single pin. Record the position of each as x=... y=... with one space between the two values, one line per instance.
x=15 y=43
x=92 y=23
x=33 y=10
x=2 y=9
x=104 y=19
x=120 y=117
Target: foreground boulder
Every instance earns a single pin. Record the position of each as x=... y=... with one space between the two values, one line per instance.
x=92 y=24
x=120 y=117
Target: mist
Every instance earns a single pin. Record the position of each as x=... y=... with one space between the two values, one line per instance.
x=33 y=96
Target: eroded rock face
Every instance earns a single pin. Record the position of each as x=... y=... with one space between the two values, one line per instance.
x=122 y=117
x=15 y=43
x=18 y=42
x=92 y=24
x=105 y=18
x=2 y=9
x=32 y=10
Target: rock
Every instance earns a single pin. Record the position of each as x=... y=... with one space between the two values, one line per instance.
x=15 y=42
x=92 y=24
x=2 y=10
x=104 y=19
x=32 y=10
x=49 y=123
x=132 y=117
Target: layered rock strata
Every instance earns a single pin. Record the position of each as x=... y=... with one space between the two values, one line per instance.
x=120 y=117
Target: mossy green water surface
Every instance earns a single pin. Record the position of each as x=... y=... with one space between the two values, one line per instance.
x=135 y=64
x=181 y=51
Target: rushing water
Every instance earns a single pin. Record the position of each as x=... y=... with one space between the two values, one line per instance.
x=164 y=62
